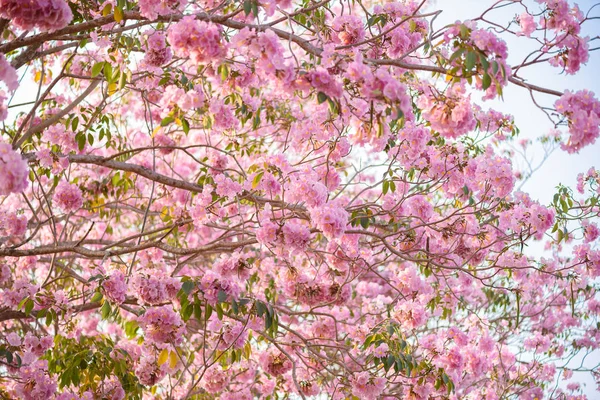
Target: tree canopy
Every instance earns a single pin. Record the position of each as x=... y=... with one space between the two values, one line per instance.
x=291 y=199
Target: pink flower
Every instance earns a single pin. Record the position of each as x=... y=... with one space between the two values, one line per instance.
x=13 y=171
x=47 y=15
x=582 y=110
x=68 y=197
x=366 y=387
x=153 y=8
x=115 y=287
x=381 y=350
x=331 y=219
x=527 y=23
x=8 y=74
x=157 y=52
x=162 y=325
x=156 y=288
x=200 y=41
x=350 y=29
x=35 y=382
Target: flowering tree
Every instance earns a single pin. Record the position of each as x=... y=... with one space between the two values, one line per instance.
x=273 y=199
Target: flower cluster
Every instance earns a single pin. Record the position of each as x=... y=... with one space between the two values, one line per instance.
x=156 y=288
x=331 y=219
x=153 y=8
x=68 y=197
x=582 y=110
x=162 y=325
x=36 y=382
x=348 y=29
x=275 y=362
x=566 y=22
x=365 y=386
x=200 y=41
x=13 y=171
x=8 y=74
x=157 y=52
x=115 y=287
x=47 y=15
x=450 y=113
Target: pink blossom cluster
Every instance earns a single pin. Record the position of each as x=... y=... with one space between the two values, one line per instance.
x=12 y=224
x=115 y=287
x=13 y=171
x=268 y=51
x=304 y=189
x=162 y=325
x=157 y=51
x=324 y=82
x=226 y=186
x=8 y=75
x=36 y=382
x=68 y=197
x=155 y=288
x=47 y=15
x=275 y=363
x=527 y=24
x=231 y=335
x=215 y=380
x=527 y=216
x=491 y=174
x=148 y=372
x=153 y=8
x=565 y=20
x=365 y=386
x=201 y=41
x=3 y=106
x=331 y=219
x=591 y=177
x=211 y=284
x=60 y=136
x=348 y=29
x=582 y=110
x=450 y=113
x=235 y=265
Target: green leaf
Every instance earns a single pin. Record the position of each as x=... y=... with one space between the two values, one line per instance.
x=222 y=296
x=470 y=60
x=247 y=7
x=486 y=81
x=187 y=287
x=456 y=54
x=96 y=297
x=261 y=308
x=97 y=68
x=29 y=306
x=105 y=310
x=166 y=121
x=322 y=97
x=386 y=187
x=185 y=125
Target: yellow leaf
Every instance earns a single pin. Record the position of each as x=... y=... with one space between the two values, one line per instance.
x=112 y=88
x=118 y=14
x=173 y=359
x=38 y=76
x=162 y=358
x=156 y=130
x=106 y=10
